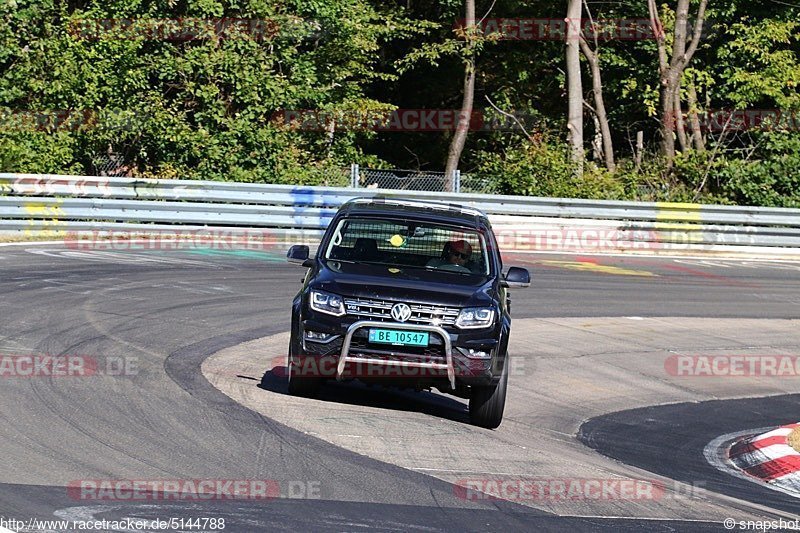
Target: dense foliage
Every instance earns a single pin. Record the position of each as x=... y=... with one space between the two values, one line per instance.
x=89 y=87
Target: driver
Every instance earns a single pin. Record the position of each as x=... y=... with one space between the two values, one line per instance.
x=455 y=253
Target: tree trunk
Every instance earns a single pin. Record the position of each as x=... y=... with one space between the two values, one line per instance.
x=678 y=51
x=597 y=142
x=462 y=126
x=680 y=126
x=671 y=68
x=331 y=131
x=605 y=129
x=574 y=85
x=694 y=120
x=599 y=104
x=639 y=149
x=668 y=122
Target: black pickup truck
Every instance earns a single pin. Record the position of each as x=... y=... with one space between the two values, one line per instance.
x=409 y=294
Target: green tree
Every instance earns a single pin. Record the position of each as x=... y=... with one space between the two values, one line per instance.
x=208 y=107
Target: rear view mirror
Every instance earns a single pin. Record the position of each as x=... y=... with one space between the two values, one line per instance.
x=298 y=255
x=517 y=277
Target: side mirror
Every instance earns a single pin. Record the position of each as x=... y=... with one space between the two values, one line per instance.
x=298 y=255
x=517 y=277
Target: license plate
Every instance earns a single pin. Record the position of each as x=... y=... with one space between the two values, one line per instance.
x=398 y=338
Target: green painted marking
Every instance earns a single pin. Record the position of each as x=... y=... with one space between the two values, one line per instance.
x=246 y=254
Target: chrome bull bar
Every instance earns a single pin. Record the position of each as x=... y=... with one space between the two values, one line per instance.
x=448 y=349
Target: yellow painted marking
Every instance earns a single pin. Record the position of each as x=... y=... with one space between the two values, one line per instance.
x=668 y=222
x=686 y=206
x=605 y=269
x=46 y=215
x=43 y=210
x=679 y=212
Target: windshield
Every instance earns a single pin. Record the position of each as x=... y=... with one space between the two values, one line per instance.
x=409 y=244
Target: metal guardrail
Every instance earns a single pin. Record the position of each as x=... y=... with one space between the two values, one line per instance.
x=55 y=204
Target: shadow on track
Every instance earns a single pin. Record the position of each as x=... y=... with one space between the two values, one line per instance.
x=393 y=399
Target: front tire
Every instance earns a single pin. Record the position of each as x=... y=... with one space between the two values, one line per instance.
x=304 y=386
x=486 y=404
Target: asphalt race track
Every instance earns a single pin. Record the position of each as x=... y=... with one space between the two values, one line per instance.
x=619 y=435
x=582 y=417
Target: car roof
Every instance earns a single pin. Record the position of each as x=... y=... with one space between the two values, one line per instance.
x=419 y=210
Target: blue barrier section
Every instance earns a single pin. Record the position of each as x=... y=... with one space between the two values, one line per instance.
x=308 y=202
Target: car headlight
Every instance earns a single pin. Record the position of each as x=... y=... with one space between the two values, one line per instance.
x=475 y=317
x=327 y=303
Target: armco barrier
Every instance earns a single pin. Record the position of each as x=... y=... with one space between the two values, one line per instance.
x=34 y=205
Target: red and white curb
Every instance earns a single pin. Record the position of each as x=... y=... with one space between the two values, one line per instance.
x=763 y=456
x=769 y=457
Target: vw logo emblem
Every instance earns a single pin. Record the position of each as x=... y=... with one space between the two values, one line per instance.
x=401 y=312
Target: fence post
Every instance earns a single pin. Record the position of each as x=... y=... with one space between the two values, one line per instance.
x=354 y=177
x=457 y=184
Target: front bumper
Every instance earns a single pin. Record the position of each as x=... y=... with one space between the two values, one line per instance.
x=448 y=350
x=467 y=357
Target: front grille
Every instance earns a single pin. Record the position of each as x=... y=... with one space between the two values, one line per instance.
x=380 y=310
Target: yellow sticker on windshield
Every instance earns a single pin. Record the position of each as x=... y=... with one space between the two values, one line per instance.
x=397 y=240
